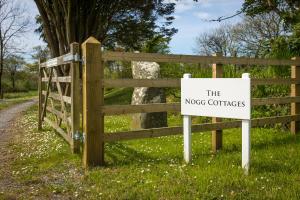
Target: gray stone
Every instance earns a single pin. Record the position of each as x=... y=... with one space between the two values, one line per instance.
x=146 y=95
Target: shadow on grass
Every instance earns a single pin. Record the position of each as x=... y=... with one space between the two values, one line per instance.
x=120 y=154
x=274 y=142
x=270 y=166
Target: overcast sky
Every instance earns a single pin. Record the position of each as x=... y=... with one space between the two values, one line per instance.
x=191 y=19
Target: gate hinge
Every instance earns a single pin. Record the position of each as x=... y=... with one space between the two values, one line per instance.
x=78 y=136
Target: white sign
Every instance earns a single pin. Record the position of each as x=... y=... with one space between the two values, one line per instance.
x=216 y=97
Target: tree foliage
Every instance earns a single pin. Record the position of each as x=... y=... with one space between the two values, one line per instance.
x=288 y=11
x=13 y=23
x=127 y=23
x=252 y=37
x=14 y=64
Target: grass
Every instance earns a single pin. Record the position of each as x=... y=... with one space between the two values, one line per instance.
x=154 y=168
x=45 y=168
x=118 y=96
x=15 y=98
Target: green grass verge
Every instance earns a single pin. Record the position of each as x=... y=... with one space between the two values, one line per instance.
x=15 y=98
x=154 y=168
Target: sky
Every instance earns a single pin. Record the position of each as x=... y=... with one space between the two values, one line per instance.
x=191 y=19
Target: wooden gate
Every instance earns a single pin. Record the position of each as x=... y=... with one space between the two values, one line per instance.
x=60 y=96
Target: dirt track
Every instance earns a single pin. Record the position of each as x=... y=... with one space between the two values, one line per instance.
x=7 y=117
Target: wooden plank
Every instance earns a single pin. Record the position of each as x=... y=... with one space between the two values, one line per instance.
x=167 y=131
x=274 y=100
x=53 y=107
x=40 y=108
x=57 y=97
x=93 y=100
x=141 y=83
x=59 y=114
x=156 y=57
x=142 y=108
x=295 y=91
x=61 y=79
x=75 y=99
x=176 y=82
x=216 y=135
x=273 y=81
x=47 y=94
x=61 y=60
x=260 y=122
x=175 y=107
x=59 y=130
x=62 y=109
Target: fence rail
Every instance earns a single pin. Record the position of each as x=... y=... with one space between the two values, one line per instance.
x=175 y=83
x=167 y=131
x=176 y=107
x=155 y=57
x=93 y=110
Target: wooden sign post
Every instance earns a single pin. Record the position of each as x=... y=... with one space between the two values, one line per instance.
x=217 y=97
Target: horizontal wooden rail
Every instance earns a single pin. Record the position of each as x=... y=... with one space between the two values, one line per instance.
x=141 y=82
x=176 y=107
x=57 y=97
x=143 y=108
x=61 y=60
x=273 y=81
x=274 y=100
x=176 y=82
x=155 y=57
x=166 y=131
x=59 y=130
x=63 y=79
x=58 y=114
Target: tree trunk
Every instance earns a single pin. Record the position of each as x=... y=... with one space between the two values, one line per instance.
x=12 y=77
x=1 y=68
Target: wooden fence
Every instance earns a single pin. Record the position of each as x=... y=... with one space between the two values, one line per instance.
x=91 y=103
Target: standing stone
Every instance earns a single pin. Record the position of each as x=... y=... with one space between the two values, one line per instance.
x=147 y=95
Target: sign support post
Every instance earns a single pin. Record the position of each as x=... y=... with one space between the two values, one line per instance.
x=187 y=123
x=246 y=143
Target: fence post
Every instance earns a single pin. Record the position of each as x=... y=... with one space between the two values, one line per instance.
x=217 y=72
x=295 y=91
x=93 y=99
x=75 y=99
x=40 y=98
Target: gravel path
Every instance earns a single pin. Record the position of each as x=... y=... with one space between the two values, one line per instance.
x=7 y=116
